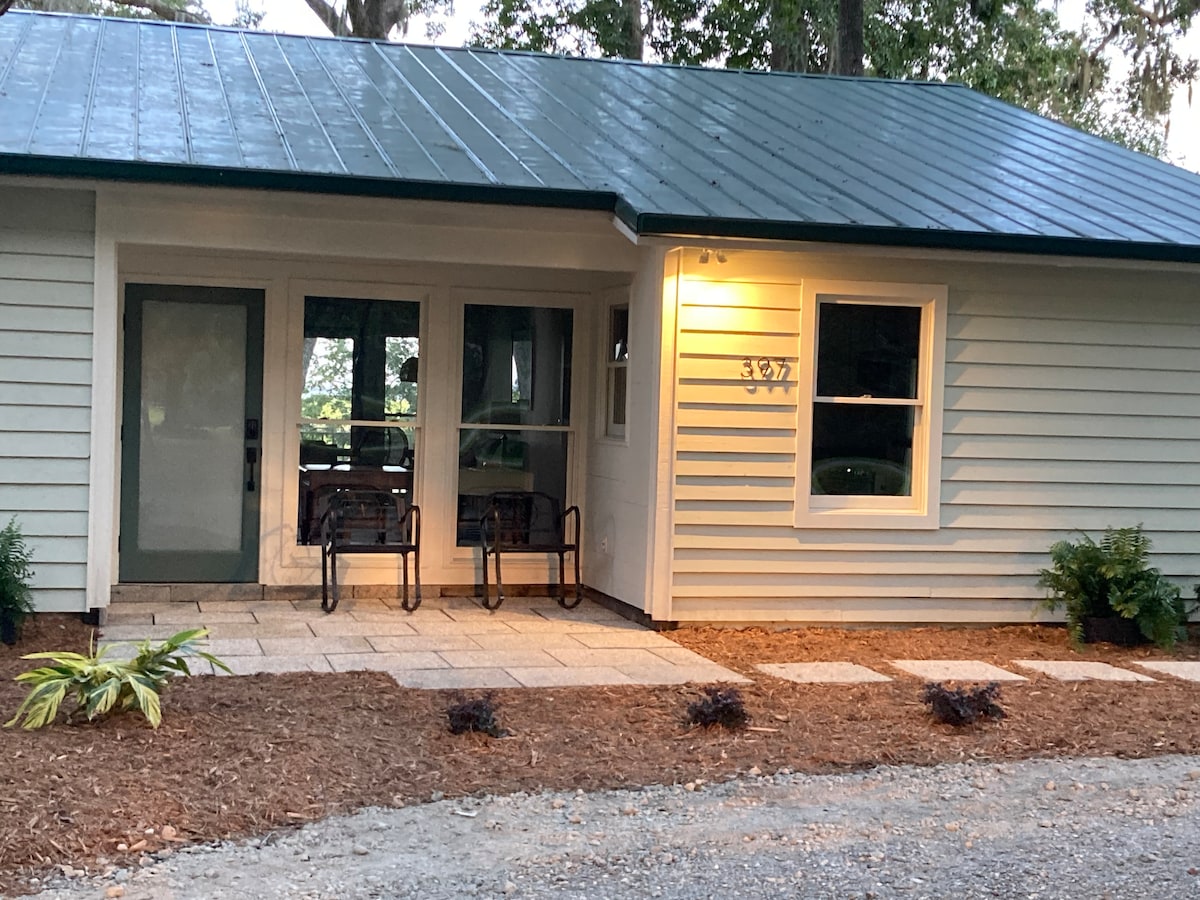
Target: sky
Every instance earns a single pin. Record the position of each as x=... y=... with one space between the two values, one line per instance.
x=294 y=16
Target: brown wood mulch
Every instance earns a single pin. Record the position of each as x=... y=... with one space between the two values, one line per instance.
x=242 y=756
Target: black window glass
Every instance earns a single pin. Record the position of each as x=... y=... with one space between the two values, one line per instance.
x=868 y=351
x=516 y=365
x=862 y=449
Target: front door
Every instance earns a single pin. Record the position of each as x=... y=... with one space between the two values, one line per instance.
x=190 y=436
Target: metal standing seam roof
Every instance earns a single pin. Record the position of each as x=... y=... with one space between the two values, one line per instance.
x=669 y=149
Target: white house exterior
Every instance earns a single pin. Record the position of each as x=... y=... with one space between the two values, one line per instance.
x=1027 y=383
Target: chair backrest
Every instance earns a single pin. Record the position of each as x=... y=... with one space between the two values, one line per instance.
x=366 y=516
x=523 y=517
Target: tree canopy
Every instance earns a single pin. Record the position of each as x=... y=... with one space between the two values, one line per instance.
x=1016 y=50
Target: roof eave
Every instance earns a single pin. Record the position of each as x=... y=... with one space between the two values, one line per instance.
x=304 y=182
x=658 y=225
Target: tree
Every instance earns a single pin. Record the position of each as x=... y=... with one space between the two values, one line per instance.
x=171 y=10
x=378 y=19
x=1015 y=50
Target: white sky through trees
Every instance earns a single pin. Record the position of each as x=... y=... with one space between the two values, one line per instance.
x=294 y=16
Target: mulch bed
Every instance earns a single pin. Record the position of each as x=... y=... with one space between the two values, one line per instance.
x=242 y=756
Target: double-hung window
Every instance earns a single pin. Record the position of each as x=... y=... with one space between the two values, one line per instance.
x=869 y=428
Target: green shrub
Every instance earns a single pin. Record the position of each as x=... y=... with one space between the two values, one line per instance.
x=16 y=600
x=98 y=686
x=1114 y=578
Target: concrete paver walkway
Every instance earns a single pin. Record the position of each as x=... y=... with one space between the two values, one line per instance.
x=449 y=642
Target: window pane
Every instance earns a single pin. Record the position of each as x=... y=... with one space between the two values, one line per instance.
x=616 y=392
x=618 y=335
x=868 y=351
x=862 y=450
x=335 y=457
x=516 y=365
x=359 y=362
x=360 y=359
x=517 y=460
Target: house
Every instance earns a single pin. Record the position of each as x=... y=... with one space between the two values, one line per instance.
x=804 y=349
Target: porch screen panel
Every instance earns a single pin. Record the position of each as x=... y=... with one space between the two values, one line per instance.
x=516 y=406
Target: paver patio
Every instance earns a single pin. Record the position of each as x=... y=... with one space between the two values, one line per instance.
x=449 y=642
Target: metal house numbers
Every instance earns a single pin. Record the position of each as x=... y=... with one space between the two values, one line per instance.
x=766 y=372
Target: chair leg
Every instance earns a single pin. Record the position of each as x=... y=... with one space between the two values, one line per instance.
x=330 y=604
x=487 y=604
x=405 y=602
x=562 y=595
x=325 y=579
x=410 y=607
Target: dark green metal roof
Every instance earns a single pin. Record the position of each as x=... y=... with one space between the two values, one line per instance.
x=671 y=150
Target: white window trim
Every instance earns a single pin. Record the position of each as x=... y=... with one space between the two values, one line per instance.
x=922 y=509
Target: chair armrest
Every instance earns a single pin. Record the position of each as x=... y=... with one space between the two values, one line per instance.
x=574 y=512
x=414 y=513
x=493 y=513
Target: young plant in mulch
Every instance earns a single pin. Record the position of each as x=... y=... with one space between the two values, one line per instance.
x=719 y=706
x=16 y=599
x=963 y=706
x=98 y=686
x=479 y=714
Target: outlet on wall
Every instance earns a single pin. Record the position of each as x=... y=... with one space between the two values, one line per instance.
x=604 y=544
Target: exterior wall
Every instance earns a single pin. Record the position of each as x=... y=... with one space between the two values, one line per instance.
x=1071 y=402
x=444 y=255
x=620 y=496
x=47 y=241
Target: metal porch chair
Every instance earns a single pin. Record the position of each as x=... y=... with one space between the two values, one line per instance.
x=529 y=522
x=369 y=521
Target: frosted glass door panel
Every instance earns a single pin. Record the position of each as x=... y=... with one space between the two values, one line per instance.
x=193 y=405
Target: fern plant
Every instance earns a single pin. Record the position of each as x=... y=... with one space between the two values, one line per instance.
x=98 y=685
x=1114 y=578
x=16 y=599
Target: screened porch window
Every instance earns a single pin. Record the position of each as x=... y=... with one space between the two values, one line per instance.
x=358 y=401
x=516 y=406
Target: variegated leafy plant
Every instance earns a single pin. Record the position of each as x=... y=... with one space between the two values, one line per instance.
x=99 y=685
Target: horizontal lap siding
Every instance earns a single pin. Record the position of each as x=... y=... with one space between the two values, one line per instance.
x=46 y=284
x=1071 y=402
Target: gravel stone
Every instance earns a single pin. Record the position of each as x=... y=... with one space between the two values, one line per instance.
x=964 y=831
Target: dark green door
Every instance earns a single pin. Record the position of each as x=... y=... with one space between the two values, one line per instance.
x=190 y=436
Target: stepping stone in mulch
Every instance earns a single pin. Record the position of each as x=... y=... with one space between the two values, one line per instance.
x=1188 y=671
x=822 y=672
x=1071 y=670
x=955 y=670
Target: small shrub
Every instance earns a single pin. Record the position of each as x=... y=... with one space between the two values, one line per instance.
x=963 y=706
x=98 y=686
x=475 y=715
x=1114 y=578
x=16 y=600
x=719 y=706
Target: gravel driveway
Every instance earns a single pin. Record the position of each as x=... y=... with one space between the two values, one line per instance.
x=1043 y=828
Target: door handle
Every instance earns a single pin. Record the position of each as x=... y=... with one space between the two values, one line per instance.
x=251 y=459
